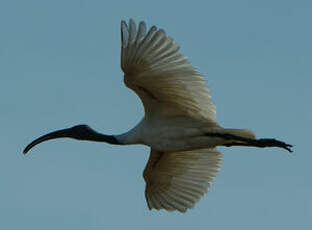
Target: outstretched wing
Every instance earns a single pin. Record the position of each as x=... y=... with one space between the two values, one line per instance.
x=176 y=181
x=162 y=77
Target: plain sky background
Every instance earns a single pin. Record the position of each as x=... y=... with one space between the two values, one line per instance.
x=59 y=66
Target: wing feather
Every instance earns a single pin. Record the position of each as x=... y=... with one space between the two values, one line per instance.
x=162 y=77
x=176 y=181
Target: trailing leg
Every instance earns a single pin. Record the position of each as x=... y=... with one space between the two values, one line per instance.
x=232 y=137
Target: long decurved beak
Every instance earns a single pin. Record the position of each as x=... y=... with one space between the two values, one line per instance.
x=53 y=135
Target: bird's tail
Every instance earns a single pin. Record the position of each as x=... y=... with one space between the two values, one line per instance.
x=228 y=137
x=243 y=133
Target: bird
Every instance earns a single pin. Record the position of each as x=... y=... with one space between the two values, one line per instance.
x=179 y=123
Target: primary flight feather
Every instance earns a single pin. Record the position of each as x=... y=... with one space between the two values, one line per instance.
x=179 y=124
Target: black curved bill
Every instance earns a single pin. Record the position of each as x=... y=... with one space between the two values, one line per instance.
x=53 y=135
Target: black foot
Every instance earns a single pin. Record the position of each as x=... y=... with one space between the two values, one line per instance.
x=272 y=143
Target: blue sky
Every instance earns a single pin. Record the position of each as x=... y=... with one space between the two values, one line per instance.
x=59 y=66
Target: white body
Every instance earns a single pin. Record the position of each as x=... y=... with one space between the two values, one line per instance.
x=175 y=134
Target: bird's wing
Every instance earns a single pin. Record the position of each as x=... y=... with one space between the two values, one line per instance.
x=163 y=78
x=176 y=181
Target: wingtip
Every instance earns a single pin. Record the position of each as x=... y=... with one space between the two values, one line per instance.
x=131 y=21
x=122 y=21
x=124 y=33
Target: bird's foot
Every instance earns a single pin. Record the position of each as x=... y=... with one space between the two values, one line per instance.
x=273 y=143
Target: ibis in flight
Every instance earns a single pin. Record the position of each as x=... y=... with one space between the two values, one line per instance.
x=179 y=124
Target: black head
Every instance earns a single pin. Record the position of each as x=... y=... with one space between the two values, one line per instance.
x=78 y=132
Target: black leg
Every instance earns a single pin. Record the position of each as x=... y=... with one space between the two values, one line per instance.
x=242 y=141
x=263 y=143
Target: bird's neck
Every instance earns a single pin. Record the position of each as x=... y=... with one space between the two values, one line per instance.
x=133 y=136
x=99 y=137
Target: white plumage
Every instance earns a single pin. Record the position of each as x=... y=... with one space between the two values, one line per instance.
x=177 y=180
x=179 y=124
x=178 y=110
x=162 y=77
